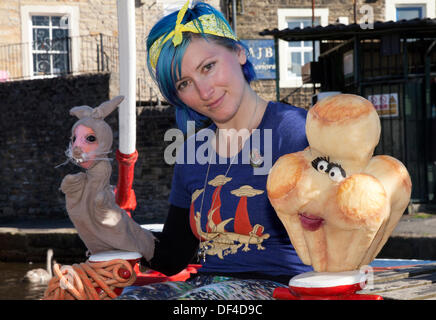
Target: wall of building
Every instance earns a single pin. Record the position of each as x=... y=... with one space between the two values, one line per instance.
x=95 y=17
x=35 y=127
x=260 y=15
x=100 y=17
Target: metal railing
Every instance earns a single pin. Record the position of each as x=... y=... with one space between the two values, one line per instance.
x=300 y=96
x=54 y=57
x=73 y=56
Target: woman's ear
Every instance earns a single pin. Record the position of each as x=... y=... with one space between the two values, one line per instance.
x=242 y=56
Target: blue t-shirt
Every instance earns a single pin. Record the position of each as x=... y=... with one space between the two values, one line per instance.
x=232 y=214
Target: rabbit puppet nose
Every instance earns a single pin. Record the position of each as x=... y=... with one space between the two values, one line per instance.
x=84 y=146
x=77 y=153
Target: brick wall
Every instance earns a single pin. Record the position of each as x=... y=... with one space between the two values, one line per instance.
x=35 y=127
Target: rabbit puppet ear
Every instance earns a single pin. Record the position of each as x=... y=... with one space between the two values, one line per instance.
x=100 y=112
x=106 y=108
x=81 y=112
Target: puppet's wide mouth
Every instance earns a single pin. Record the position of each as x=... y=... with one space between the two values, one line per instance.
x=310 y=222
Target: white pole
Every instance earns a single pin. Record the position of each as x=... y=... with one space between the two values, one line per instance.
x=127 y=69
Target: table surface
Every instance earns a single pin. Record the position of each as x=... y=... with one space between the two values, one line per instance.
x=415 y=282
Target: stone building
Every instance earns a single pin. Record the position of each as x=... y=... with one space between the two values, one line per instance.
x=52 y=37
x=91 y=29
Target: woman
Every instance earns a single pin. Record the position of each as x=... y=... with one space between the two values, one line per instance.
x=220 y=208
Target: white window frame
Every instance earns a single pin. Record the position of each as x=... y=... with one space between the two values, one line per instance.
x=27 y=37
x=429 y=8
x=170 y=6
x=283 y=15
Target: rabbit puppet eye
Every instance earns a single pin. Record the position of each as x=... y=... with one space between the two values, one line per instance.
x=88 y=139
x=91 y=138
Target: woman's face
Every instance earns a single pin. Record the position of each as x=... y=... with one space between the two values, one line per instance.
x=212 y=82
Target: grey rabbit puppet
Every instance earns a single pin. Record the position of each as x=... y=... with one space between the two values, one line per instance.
x=90 y=200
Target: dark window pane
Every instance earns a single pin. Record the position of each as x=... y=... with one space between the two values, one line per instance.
x=41 y=64
x=60 y=63
x=55 y=21
x=409 y=13
x=40 y=20
x=60 y=38
x=41 y=39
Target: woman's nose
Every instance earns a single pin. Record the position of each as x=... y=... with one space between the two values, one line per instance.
x=205 y=90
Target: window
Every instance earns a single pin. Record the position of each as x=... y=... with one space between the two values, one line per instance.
x=51 y=34
x=50 y=45
x=409 y=9
x=300 y=52
x=409 y=13
x=293 y=55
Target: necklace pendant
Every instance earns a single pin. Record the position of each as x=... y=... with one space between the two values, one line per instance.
x=256 y=158
x=202 y=253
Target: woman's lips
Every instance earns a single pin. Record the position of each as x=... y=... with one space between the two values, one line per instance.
x=216 y=103
x=310 y=222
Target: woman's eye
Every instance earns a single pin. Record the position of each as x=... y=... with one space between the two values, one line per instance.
x=91 y=138
x=322 y=165
x=337 y=174
x=182 y=85
x=73 y=139
x=209 y=66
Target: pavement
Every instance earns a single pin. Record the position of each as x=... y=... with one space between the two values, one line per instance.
x=24 y=241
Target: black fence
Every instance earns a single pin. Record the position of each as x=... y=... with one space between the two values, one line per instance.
x=54 y=57
x=74 y=56
x=398 y=75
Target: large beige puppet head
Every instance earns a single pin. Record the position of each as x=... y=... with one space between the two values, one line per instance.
x=338 y=203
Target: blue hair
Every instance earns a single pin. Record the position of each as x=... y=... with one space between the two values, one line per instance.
x=166 y=77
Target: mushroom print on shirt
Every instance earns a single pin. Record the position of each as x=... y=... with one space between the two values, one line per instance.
x=218 y=240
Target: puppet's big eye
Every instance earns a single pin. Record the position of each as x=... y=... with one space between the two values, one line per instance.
x=320 y=164
x=336 y=173
x=91 y=138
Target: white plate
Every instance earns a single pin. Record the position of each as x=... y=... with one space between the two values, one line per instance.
x=114 y=254
x=328 y=279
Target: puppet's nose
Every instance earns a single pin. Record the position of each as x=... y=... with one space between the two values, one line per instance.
x=77 y=152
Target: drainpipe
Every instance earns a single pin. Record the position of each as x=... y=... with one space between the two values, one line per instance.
x=428 y=113
x=427 y=78
x=234 y=16
x=355 y=11
x=276 y=49
x=313 y=43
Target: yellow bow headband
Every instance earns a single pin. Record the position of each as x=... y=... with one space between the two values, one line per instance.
x=210 y=24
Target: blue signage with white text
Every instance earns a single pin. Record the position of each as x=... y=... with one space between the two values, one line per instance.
x=262 y=56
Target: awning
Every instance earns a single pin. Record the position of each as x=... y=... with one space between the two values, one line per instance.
x=416 y=28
